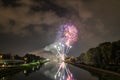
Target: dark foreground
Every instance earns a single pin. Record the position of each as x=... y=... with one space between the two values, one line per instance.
x=49 y=69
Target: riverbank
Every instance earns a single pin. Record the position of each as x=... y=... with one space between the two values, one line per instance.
x=34 y=63
x=95 y=69
x=5 y=71
x=13 y=65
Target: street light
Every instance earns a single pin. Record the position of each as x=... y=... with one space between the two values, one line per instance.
x=25 y=59
x=1 y=56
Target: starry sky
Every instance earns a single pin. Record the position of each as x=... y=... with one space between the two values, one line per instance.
x=28 y=25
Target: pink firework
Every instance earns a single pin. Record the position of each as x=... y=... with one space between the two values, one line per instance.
x=70 y=34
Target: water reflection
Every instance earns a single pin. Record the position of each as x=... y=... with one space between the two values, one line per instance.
x=49 y=70
x=52 y=70
x=63 y=73
x=9 y=73
x=28 y=71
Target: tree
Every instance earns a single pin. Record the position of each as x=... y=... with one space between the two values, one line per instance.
x=116 y=52
x=81 y=58
x=31 y=58
x=106 y=51
x=17 y=57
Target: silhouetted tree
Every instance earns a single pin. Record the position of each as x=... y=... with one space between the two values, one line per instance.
x=106 y=53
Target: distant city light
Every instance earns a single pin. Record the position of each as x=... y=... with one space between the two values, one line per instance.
x=3 y=65
x=1 y=56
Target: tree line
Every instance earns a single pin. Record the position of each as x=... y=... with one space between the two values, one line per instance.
x=29 y=58
x=107 y=53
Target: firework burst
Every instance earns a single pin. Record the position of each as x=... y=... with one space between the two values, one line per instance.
x=67 y=35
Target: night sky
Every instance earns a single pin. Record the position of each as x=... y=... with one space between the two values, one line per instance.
x=28 y=25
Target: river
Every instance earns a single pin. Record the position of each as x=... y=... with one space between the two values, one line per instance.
x=48 y=71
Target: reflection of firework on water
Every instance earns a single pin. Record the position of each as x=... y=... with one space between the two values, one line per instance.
x=63 y=73
x=67 y=35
